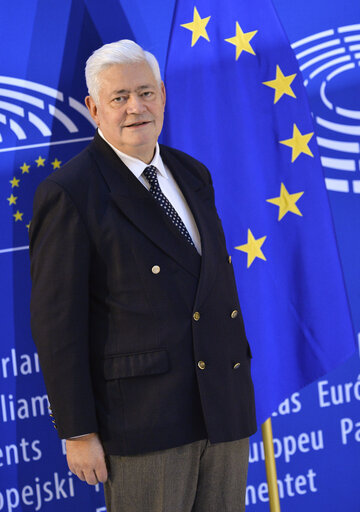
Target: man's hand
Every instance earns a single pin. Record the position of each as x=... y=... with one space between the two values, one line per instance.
x=86 y=459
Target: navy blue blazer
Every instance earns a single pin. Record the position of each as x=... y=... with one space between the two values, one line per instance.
x=140 y=339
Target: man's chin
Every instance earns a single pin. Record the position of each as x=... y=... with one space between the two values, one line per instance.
x=141 y=148
x=140 y=138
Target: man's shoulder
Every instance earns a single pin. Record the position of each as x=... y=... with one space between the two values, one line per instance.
x=77 y=180
x=76 y=170
x=191 y=163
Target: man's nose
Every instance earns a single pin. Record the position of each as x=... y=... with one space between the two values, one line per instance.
x=135 y=104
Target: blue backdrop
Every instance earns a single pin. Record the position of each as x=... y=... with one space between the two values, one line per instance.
x=43 y=123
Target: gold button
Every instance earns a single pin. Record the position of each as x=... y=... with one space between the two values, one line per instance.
x=196 y=316
x=234 y=313
x=236 y=366
x=201 y=365
x=155 y=269
x=229 y=258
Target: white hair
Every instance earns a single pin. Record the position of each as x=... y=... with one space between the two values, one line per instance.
x=124 y=51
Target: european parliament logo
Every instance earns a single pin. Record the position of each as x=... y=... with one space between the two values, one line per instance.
x=330 y=64
x=40 y=129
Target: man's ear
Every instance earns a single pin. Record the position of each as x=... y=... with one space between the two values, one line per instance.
x=91 y=105
x=163 y=93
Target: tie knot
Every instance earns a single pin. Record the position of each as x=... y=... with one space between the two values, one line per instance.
x=150 y=174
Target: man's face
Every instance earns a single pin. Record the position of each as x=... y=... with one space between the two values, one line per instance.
x=130 y=110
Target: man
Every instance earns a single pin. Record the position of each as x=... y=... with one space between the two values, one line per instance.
x=135 y=311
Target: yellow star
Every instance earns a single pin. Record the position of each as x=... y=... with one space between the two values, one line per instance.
x=197 y=27
x=242 y=41
x=14 y=182
x=12 y=199
x=298 y=143
x=286 y=202
x=18 y=215
x=28 y=226
x=56 y=164
x=252 y=248
x=281 y=84
x=25 y=168
x=40 y=162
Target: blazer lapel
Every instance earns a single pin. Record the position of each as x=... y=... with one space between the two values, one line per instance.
x=135 y=201
x=199 y=197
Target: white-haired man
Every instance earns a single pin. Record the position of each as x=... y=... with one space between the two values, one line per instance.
x=135 y=311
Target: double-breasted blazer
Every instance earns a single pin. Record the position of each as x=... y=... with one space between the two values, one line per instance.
x=140 y=338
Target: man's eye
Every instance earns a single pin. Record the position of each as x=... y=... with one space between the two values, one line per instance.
x=119 y=99
x=147 y=94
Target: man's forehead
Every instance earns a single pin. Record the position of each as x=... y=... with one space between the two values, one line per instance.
x=127 y=76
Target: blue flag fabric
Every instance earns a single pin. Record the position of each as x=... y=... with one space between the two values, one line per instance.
x=237 y=103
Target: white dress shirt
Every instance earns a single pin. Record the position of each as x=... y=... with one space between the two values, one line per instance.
x=168 y=186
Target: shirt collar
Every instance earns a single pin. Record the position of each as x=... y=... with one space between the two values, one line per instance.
x=135 y=165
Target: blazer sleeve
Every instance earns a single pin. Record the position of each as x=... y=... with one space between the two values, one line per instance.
x=60 y=261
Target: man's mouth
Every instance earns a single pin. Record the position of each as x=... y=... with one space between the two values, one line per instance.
x=138 y=123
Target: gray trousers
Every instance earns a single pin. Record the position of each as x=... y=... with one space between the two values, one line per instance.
x=196 y=477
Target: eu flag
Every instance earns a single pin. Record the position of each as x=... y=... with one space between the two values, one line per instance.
x=237 y=103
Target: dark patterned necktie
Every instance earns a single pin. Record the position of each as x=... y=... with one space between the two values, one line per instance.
x=155 y=190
